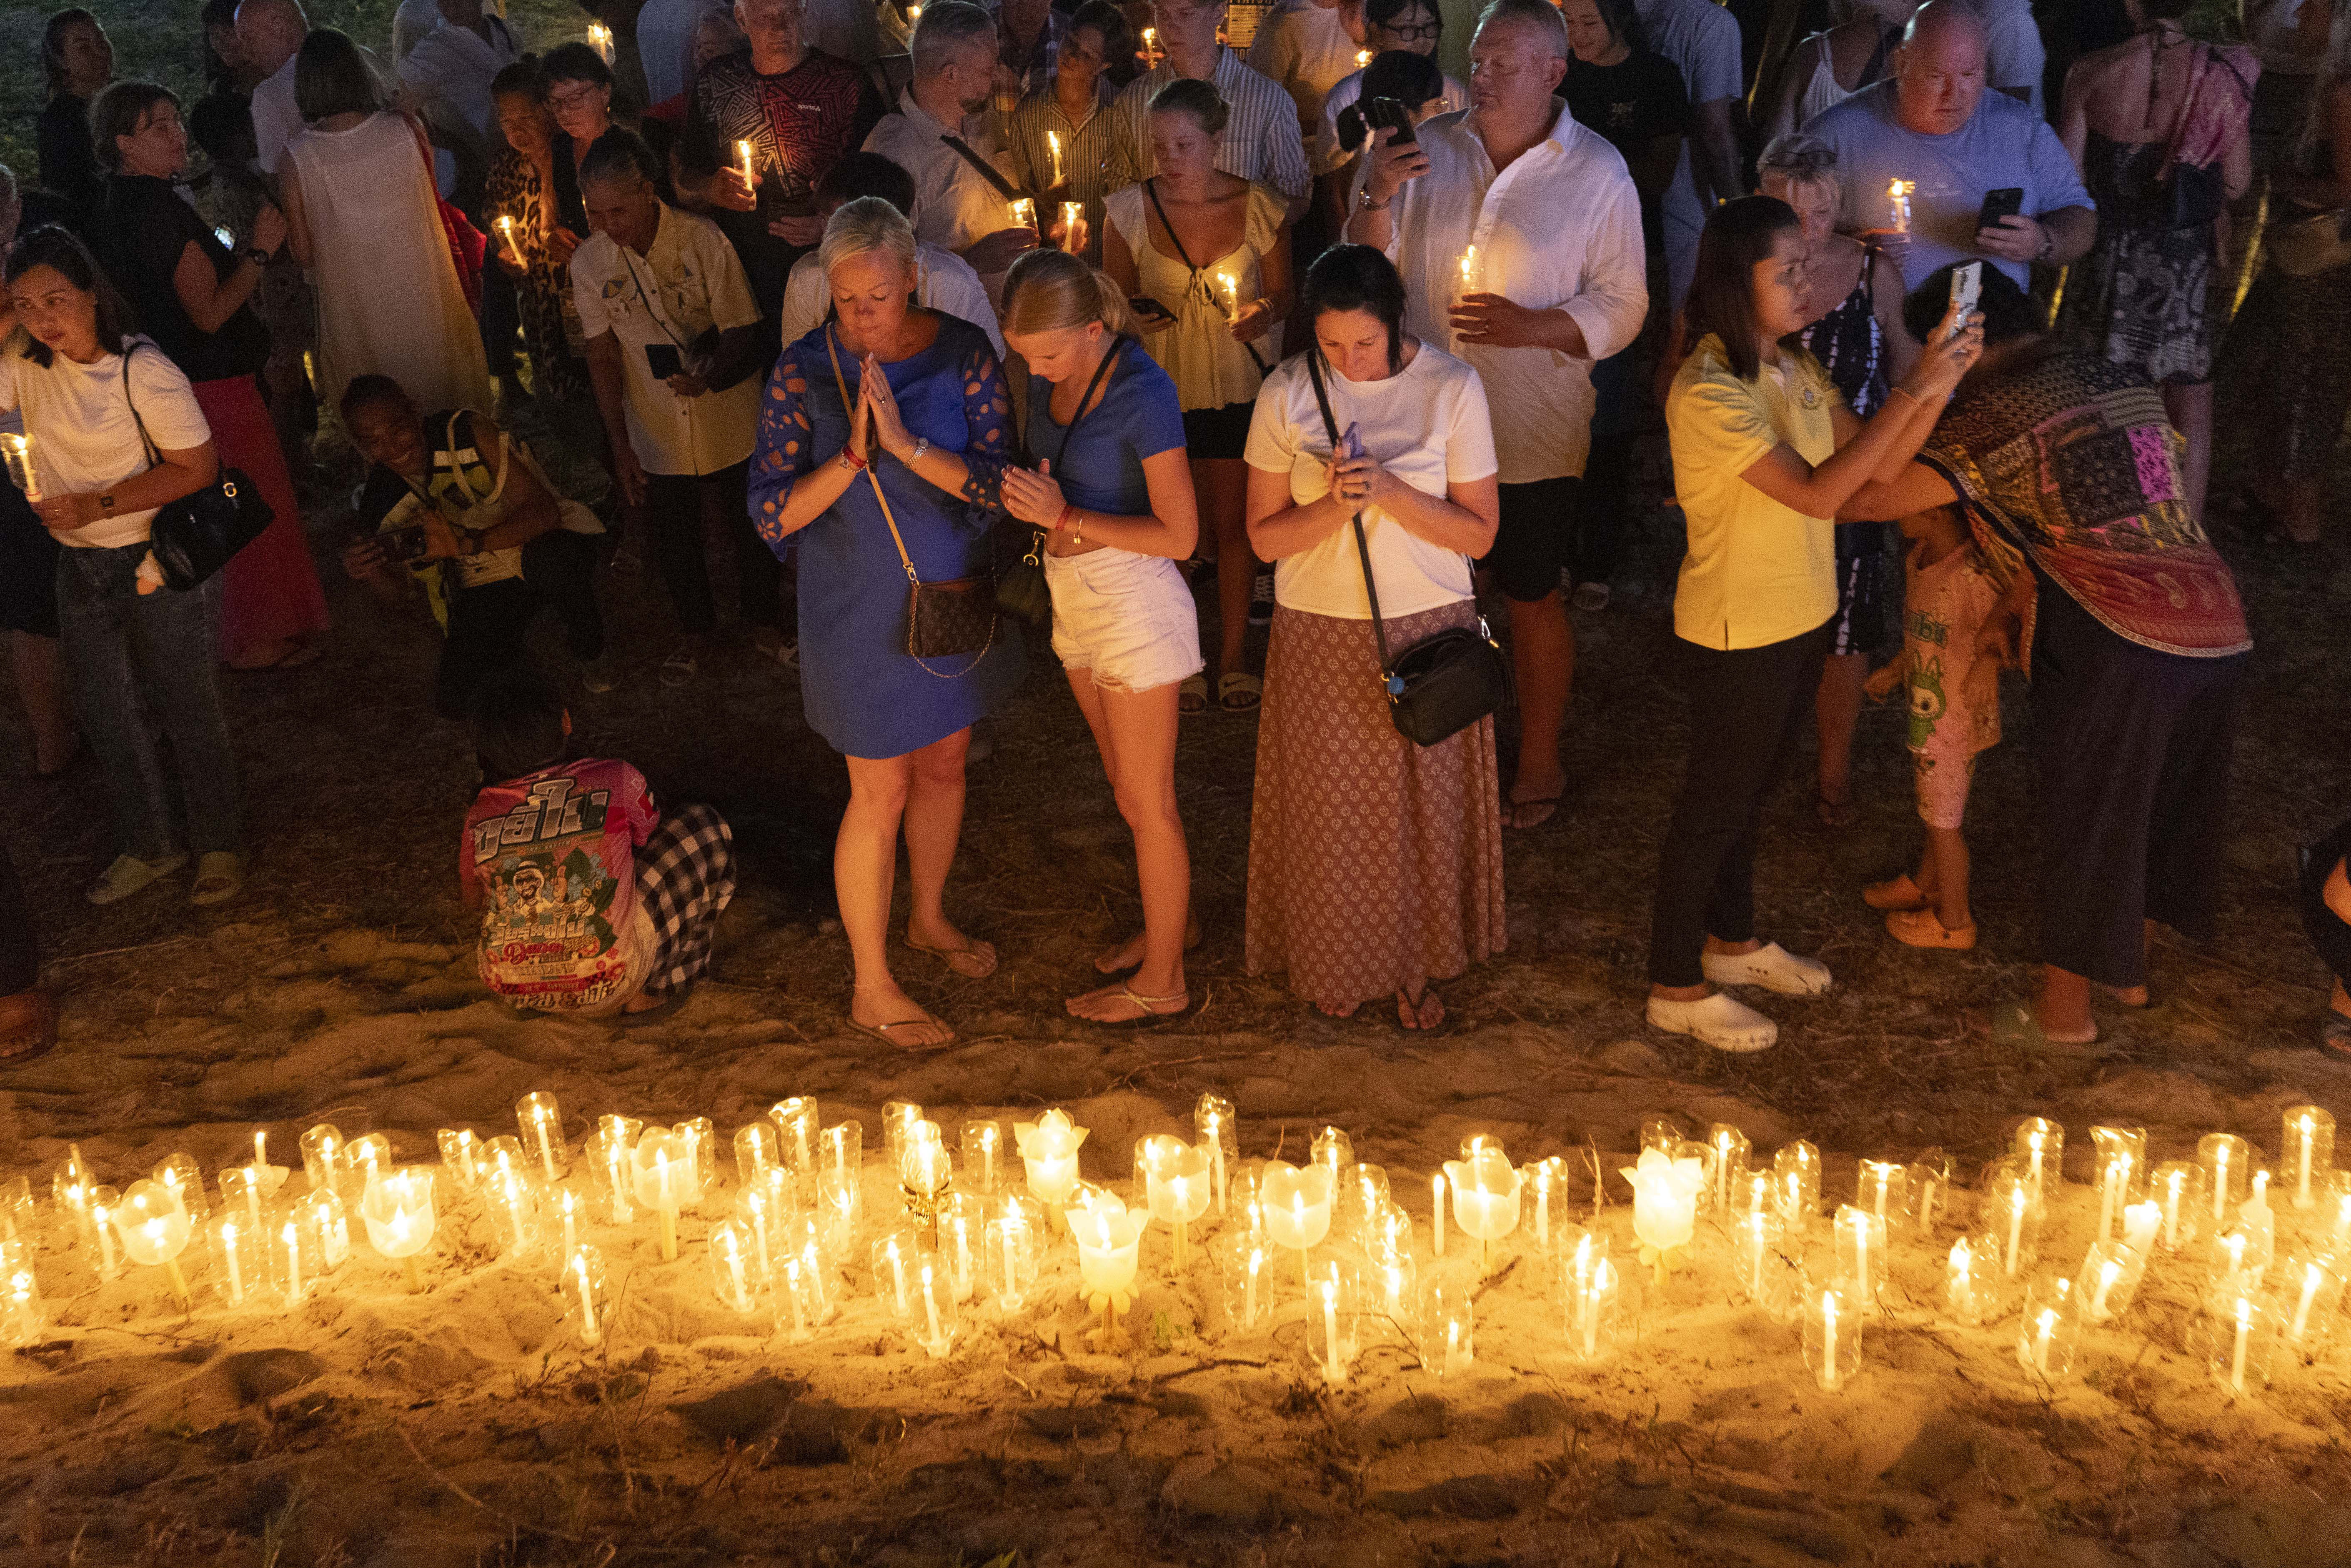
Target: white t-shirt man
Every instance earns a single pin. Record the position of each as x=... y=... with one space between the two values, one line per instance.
x=1559 y=229
x=1702 y=40
x=85 y=439
x=944 y=281
x=689 y=282
x=1427 y=425
x=275 y=118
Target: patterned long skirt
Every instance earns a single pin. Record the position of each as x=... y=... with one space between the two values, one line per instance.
x=1375 y=866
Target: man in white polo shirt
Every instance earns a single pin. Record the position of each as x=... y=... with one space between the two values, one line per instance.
x=940 y=135
x=270 y=32
x=674 y=350
x=1519 y=235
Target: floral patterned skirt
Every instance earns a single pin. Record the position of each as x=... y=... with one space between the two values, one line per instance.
x=1375 y=866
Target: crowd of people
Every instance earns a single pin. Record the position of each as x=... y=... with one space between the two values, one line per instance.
x=967 y=330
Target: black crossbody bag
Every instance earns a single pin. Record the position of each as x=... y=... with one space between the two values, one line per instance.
x=194 y=537
x=1022 y=590
x=1435 y=688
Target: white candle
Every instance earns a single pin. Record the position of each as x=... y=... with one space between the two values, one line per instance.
x=898 y=1278
x=1053 y=145
x=1011 y=1250
x=2108 y=1272
x=2171 y=1211
x=293 y=1239
x=2244 y=1334
x=1256 y=1263
x=1437 y=1184
x=2310 y=1276
x=2307 y=1127
x=2044 y=1327
x=571 y=1228
x=590 y=1333
x=1332 y=1368
x=2015 y=1229
x=2219 y=1182
x=1828 y=1341
x=936 y=1344
x=236 y=1275
x=539 y=1120
x=743 y=153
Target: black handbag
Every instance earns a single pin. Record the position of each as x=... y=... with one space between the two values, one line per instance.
x=1021 y=592
x=943 y=619
x=194 y=537
x=1440 y=686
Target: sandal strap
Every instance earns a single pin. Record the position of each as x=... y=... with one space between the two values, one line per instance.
x=1171 y=1004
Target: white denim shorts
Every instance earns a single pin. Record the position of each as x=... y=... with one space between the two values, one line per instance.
x=1127 y=618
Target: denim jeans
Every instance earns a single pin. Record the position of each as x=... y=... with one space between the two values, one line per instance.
x=127 y=653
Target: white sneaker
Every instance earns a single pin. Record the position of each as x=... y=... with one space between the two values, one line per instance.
x=1717 y=1021
x=1772 y=966
x=1591 y=596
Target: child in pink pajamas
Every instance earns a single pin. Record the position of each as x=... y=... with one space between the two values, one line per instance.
x=1954 y=714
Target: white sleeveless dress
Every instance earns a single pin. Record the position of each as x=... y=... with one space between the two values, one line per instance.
x=1199 y=354
x=389 y=300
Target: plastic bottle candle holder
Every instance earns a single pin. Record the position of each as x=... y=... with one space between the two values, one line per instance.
x=661 y=1173
x=155 y=1226
x=2048 y=1331
x=2040 y=1149
x=1245 y=1266
x=397 y=1209
x=1930 y=1189
x=1485 y=1191
x=1215 y=1126
x=1797 y=1188
x=797 y=1122
x=1178 y=1189
x=1883 y=1188
x=1009 y=1260
x=2306 y=1156
x=586 y=1303
x=2227 y=1162
x=983 y=1151
x=2237 y=1339
x=1049 y=1153
x=1832 y=1339
x=540 y=1122
x=2122 y=1173
x=323 y=1148
x=2108 y=1281
x=1728 y=1152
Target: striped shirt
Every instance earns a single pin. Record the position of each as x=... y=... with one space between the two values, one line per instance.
x=1086 y=152
x=1260 y=141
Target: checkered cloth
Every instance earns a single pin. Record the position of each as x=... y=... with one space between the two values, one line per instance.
x=685 y=875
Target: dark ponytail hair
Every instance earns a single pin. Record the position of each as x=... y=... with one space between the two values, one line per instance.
x=1737 y=235
x=1355 y=278
x=1410 y=79
x=50 y=246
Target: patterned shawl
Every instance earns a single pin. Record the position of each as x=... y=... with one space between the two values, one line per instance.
x=2072 y=462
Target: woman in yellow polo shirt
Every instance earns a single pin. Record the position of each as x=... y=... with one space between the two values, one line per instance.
x=1764 y=454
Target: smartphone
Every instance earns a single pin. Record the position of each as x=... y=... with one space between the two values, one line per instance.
x=1387 y=111
x=405 y=543
x=1352 y=443
x=1147 y=307
x=1967 y=283
x=663 y=360
x=2004 y=202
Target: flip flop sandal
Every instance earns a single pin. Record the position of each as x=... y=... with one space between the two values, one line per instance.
x=1238 y=692
x=2012 y=1024
x=1192 y=696
x=130 y=874
x=2335 y=1036
x=1149 y=1008
x=881 y=1032
x=679 y=670
x=220 y=876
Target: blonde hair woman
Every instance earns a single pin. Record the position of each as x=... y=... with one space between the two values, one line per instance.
x=888 y=404
x=1112 y=493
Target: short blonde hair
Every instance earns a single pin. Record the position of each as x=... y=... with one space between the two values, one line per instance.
x=1052 y=289
x=867 y=224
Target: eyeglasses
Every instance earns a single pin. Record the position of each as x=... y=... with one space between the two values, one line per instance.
x=1413 y=35
x=579 y=98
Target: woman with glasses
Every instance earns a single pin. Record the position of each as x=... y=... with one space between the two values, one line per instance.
x=580 y=95
x=1411 y=26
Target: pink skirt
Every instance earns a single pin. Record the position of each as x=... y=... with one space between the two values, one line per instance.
x=270 y=590
x=1375 y=866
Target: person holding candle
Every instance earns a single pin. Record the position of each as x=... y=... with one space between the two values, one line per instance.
x=800 y=109
x=1859 y=341
x=28 y=568
x=1260 y=141
x=898 y=479
x=947 y=282
x=1112 y=493
x=1765 y=455
x=1935 y=126
x=1519 y=233
x=1061 y=134
x=84 y=384
x=674 y=348
x=2127 y=622
x=1375 y=865
x=964 y=195
x=2324 y=897
x=533 y=245
x=193 y=294
x=593 y=902
x=1212 y=250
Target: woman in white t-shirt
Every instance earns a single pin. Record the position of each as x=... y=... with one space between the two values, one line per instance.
x=1375 y=866
x=85 y=387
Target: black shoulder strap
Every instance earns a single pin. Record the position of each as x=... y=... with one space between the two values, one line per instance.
x=154 y=458
x=1363 y=549
x=1151 y=189
x=1117 y=346
x=987 y=171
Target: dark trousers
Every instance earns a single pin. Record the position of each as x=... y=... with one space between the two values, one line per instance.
x=2329 y=932
x=1607 y=473
x=20 y=953
x=680 y=509
x=2132 y=747
x=488 y=625
x=1747 y=706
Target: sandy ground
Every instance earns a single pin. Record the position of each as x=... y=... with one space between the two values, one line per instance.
x=468 y=1423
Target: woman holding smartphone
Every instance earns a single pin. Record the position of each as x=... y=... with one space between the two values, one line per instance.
x=1765 y=453
x=1114 y=493
x=1212 y=252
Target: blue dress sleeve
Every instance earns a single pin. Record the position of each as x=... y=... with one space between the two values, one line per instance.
x=781 y=453
x=987 y=421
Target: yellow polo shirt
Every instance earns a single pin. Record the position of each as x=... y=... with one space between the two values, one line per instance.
x=1757 y=572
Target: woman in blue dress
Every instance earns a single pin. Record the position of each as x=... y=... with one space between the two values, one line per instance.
x=924 y=394
x=1112 y=501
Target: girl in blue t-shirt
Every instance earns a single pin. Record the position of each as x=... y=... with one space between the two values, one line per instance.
x=1112 y=494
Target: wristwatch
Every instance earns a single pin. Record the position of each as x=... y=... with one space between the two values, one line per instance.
x=922 y=445
x=1364 y=199
x=256 y=255
x=2048 y=243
